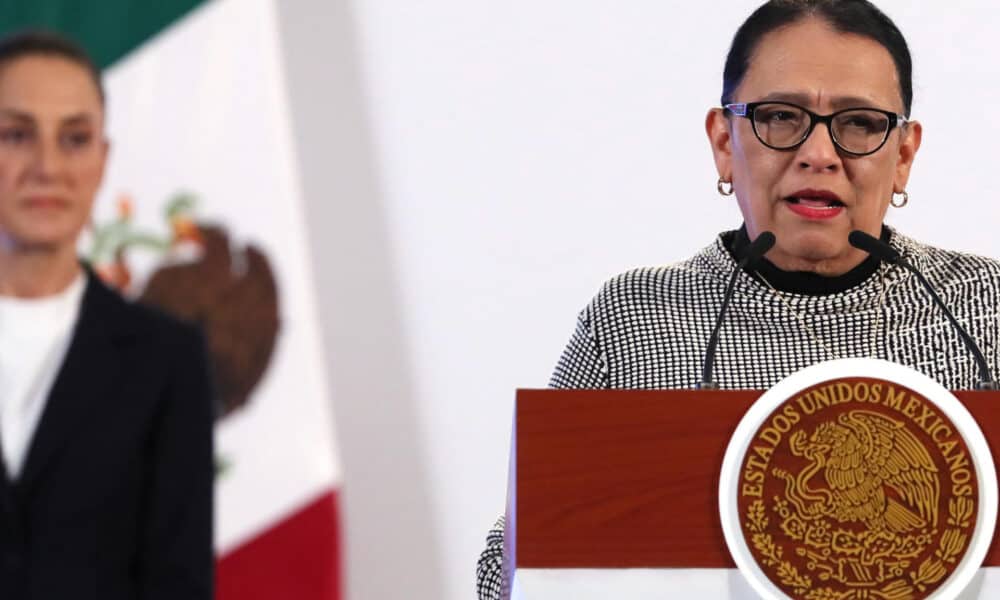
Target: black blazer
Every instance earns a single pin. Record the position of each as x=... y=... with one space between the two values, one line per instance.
x=115 y=497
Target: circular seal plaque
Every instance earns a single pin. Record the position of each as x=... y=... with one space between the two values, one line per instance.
x=858 y=479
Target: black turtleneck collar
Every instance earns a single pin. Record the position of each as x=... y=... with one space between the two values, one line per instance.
x=802 y=282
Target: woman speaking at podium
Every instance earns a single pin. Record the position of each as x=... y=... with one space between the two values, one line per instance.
x=813 y=139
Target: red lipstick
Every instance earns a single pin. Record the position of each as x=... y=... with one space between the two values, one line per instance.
x=44 y=202
x=815 y=204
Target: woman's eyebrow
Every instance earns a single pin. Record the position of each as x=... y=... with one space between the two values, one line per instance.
x=73 y=119
x=840 y=102
x=805 y=99
x=794 y=97
x=13 y=113
x=77 y=119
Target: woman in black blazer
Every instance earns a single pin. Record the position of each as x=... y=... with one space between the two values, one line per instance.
x=106 y=491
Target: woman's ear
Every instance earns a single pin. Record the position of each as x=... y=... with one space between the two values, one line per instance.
x=909 y=144
x=720 y=137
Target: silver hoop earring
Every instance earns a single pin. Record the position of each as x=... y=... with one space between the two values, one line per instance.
x=903 y=201
x=723 y=190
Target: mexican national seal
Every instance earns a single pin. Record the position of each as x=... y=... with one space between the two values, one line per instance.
x=858 y=486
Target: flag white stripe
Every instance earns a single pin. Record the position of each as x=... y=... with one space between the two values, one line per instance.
x=203 y=107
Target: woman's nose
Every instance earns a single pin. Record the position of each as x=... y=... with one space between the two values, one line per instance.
x=817 y=152
x=48 y=160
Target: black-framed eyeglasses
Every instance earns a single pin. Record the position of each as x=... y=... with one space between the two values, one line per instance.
x=785 y=126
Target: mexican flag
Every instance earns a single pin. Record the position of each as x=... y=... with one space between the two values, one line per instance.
x=201 y=213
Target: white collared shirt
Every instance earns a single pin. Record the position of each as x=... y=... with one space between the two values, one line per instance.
x=34 y=337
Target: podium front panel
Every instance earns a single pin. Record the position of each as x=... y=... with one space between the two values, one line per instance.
x=629 y=478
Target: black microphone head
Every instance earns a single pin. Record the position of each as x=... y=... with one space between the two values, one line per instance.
x=872 y=245
x=758 y=248
x=764 y=242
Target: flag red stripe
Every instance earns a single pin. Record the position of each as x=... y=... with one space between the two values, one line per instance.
x=297 y=559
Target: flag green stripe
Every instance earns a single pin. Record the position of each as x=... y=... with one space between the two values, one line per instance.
x=108 y=29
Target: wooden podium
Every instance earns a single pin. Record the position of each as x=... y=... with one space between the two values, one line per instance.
x=628 y=479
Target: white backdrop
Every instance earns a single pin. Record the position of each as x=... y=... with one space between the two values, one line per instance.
x=474 y=169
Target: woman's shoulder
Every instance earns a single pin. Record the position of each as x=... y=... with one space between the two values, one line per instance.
x=130 y=319
x=946 y=267
x=706 y=271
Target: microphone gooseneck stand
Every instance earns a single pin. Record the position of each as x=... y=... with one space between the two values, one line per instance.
x=887 y=253
x=757 y=249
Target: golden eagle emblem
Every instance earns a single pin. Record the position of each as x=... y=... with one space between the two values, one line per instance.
x=857 y=499
x=876 y=472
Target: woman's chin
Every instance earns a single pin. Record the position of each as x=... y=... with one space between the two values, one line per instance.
x=823 y=244
x=41 y=241
x=30 y=232
x=823 y=254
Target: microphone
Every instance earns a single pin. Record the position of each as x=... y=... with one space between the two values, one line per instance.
x=754 y=252
x=883 y=251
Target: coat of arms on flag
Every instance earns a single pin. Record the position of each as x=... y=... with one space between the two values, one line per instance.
x=196 y=100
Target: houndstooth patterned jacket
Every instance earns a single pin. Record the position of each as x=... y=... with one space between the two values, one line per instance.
x=648 y=328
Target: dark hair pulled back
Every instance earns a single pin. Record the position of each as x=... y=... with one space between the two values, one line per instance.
x=37 y=42
x=859 y=17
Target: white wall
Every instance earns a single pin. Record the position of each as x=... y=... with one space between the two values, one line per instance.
x=474 y=169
